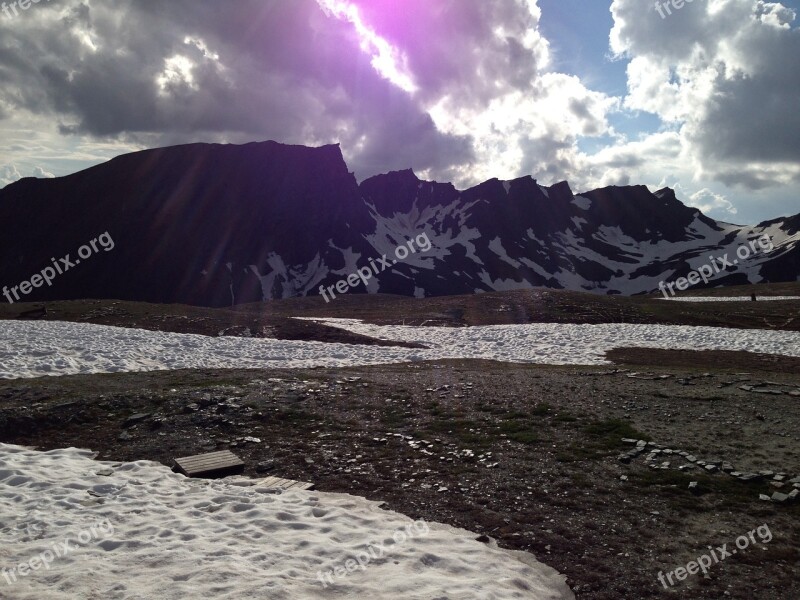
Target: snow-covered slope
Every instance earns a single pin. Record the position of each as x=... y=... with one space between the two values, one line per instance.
x=213 y=225
x=137 y=531
x=512 y=235
x=38 y=348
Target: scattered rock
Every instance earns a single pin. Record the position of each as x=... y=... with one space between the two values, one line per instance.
x=134 y=419
x=265 y=467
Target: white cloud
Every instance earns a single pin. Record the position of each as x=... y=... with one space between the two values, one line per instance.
x=9 y=174
x=707 y=201
x=715 y=70
x=42 y=174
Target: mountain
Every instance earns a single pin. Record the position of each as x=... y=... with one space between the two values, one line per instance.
x=216 y=225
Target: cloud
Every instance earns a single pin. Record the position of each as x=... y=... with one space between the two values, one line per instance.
x=9 y=174
x=716 y=69
x=456 y=90
x=459 y=90
x=41 y=173
x=482 y=72
x=708 y=201
x=154 y=73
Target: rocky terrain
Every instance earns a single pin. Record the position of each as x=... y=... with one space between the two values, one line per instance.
x=538 y=458
x=275 y=319
x=609 y=474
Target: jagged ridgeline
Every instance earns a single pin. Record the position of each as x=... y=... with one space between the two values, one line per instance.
x=212 y=225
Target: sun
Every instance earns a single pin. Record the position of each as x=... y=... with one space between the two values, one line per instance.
x=387 y=60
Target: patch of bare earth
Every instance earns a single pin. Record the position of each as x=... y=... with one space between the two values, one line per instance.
x=526 y=454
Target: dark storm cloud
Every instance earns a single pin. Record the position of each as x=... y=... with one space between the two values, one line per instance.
x=259 y=69
x=764 y=109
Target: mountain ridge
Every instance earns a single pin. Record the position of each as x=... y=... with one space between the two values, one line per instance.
x=221 y=224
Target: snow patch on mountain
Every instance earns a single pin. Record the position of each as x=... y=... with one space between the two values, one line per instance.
x=582 y=202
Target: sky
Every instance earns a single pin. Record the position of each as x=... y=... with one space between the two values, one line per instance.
x=703 y=98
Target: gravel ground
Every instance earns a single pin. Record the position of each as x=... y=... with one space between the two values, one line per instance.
x=528 y=455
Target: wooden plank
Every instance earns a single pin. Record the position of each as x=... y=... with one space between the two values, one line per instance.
x=214 y=464
x=225 y=462
x=271 y=481
x=192 y=468
x=286 y=484
x=210 y=455
x=210 y=461
x=277 y=482
x=224 y=454
x=205 y=466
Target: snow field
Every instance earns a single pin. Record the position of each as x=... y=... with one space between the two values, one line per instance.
x=172 y=538
x=37 y=348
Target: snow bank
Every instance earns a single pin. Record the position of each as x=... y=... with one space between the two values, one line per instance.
x=168 y=537
x=727 y=298
x=33 y=349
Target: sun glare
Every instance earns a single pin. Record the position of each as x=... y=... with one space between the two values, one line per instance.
x=387 y=60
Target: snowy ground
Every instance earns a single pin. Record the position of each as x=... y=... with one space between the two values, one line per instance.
x=137 y=531
x=728 y=298
x=33 y=349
